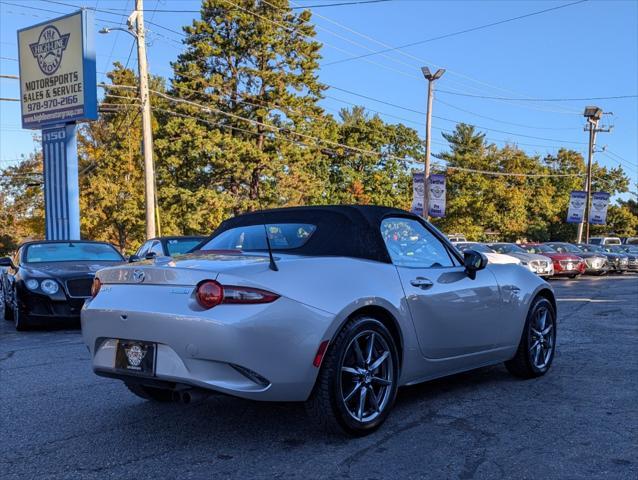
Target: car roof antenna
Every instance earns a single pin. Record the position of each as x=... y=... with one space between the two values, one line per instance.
x=273 y=265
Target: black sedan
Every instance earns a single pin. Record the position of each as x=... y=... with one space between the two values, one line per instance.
x=618 y=262
x=166 y=247
x=47 y=281
x=630 y=251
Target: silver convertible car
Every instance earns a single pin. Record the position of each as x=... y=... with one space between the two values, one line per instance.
x=337 y=306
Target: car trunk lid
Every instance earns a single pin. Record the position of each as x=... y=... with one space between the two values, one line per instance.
x=187 y=269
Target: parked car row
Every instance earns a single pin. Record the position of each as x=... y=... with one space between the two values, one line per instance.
x=561 y=259
x=337 y=306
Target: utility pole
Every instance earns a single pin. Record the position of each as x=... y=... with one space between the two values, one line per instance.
x=135 y=24
x=147 y=133
x=430 y=77
x=593 y=116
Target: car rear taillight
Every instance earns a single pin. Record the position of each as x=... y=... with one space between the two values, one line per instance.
x=210 y=293
x=235 y=294
x=95 y=287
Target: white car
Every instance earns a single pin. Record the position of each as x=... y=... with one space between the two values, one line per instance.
x=605 y=241
x=492 y=256
x=337 y=306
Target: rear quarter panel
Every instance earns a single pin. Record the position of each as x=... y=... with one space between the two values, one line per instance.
x=339 y=286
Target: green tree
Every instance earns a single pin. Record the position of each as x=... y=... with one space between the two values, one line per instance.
x=21 y=203
x=253 y=60
x=112 y=200
x=382 y=178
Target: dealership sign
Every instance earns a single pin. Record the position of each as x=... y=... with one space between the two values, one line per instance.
x=576 y=210
x=598 y=210
x=436 y=196
x=418 y=190
x=57 y=71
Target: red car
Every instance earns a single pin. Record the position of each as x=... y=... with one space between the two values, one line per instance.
x=565 y=264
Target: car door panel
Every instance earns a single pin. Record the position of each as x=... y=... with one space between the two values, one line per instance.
x=454 y=315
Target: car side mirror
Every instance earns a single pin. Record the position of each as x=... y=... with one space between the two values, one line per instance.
x=6 y=262
x=133 y=258
x=474 y=261
x=150 y=255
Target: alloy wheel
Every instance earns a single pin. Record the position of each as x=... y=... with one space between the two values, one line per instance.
x=542 y=337
x=367 y=376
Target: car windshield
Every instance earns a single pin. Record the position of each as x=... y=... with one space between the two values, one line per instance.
x=615 y=249
x=71 y=252
x=176 y=246
x=540 y=249
x=566 y=248
x=631 y=249
x=591 y=248
x=507 y=248
x=479 y=247
x=282 y=236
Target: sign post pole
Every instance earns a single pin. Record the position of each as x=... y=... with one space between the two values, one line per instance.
x=58 y=88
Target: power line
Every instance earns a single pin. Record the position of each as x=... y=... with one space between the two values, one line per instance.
x=321 y=5
x=536 y=99
x=278 y=130
x=619 y=158
x=340 y=4
x=447 y=35
x=262 y=103
x=451 y=120
x=422 y=60
x=502 y=121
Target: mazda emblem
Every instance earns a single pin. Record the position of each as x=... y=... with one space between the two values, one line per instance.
x=138 y=276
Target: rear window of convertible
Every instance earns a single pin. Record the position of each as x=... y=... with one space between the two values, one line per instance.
x=282 y=236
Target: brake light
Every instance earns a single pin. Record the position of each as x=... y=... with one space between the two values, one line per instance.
x=95 y=287
x=210 y=293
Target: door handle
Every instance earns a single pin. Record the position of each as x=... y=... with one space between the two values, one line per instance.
x=421 y=282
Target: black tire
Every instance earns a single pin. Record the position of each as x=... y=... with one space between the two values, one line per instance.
x=150 y=393
x=20 y=319
x=327 y=405
x=523 y=364
x=573 y=276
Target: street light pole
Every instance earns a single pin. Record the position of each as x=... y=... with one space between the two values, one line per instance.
x=147 y=132
x=136 y=29
x=430 y=77
x=592 y=124
x=593 y=116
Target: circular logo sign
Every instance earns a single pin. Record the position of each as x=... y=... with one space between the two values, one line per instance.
x=138 y=276
x=49 y=49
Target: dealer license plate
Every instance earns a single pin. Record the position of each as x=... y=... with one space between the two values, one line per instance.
x=135 y=356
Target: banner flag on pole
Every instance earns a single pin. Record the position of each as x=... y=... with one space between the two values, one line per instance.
x=436 y=196
x=598 y=210
x=576 y=211
x=417 y=193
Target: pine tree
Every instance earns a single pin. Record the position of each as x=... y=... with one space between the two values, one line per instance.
x=256 y=60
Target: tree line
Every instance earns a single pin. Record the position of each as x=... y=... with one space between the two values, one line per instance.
x=249 y=132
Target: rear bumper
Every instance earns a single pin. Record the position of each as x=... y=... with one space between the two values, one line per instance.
x=220 y=349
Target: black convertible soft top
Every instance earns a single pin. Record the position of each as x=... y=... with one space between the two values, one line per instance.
x=342 y=230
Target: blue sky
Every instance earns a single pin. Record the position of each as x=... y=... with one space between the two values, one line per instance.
x=580 y=51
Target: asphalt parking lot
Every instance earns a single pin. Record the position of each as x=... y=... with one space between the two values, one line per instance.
x=59 y=420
